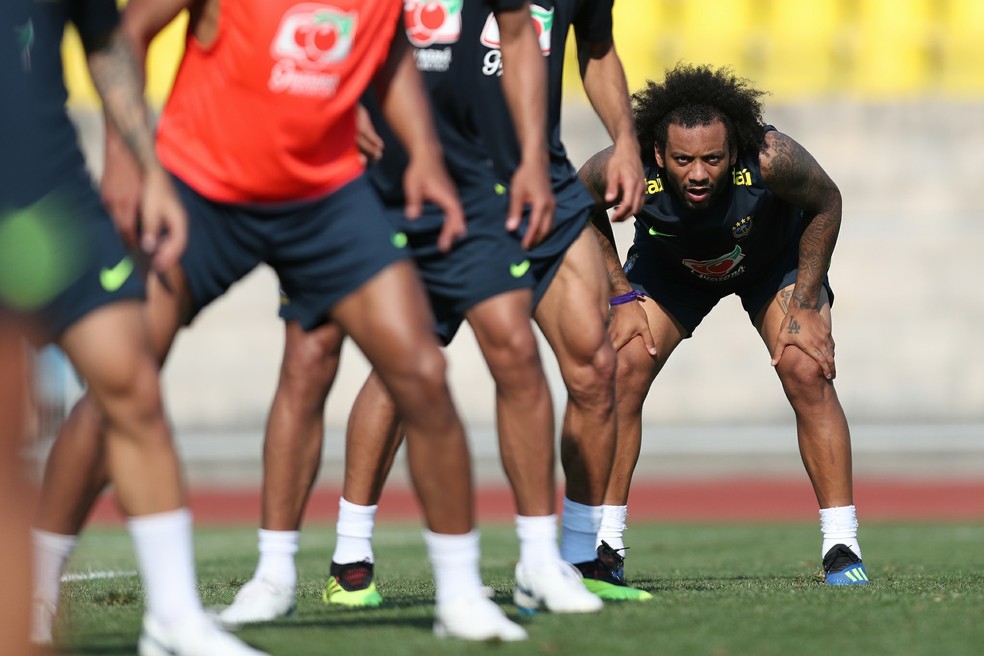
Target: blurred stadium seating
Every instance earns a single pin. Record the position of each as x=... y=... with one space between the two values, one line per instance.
x=867 y=49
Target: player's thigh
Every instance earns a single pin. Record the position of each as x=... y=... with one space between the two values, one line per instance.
x=667 y=332
x=109 y=349
x=389 y=319
x=573 y=312
x=504 y=331
x=167 y=306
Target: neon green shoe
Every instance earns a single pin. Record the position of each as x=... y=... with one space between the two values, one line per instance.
x=604 y=576
x=352 y=585
x=614 y=591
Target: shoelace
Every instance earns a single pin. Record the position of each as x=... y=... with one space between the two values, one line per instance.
x=607 y=551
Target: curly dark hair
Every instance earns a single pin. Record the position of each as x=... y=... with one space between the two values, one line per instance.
x=696 y=95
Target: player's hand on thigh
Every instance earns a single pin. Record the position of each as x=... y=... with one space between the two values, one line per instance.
x=809 y=331
x=628 y=321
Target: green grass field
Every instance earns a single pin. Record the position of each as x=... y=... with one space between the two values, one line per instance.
x=719 y=590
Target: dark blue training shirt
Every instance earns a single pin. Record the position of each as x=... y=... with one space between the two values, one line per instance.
x=39 y=145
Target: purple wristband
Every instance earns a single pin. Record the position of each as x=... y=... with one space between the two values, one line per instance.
x=634 y=295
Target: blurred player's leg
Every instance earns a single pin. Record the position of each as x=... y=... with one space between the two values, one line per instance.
x=573 y=318
x=408 y=360
x=291 y=459
x=524 y=417
x=110 y=350
x=372 y=438
x=15 y=554
x=76 y=471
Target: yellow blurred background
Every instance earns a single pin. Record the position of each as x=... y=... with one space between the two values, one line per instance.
x=797 y=49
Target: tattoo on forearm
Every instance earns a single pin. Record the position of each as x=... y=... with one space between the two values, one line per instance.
x=804 y=301
x=119 y=82
x=617 y=281
x=795 y=176
x=592 y=174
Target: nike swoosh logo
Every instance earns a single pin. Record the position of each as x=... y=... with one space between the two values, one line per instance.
x=519 y=270
x=399 y=239
x=656 y=233
x=112 y=279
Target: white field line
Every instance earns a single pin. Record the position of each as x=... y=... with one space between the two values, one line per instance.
x=97 y=574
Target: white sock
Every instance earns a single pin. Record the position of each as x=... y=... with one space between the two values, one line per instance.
x=277 y=550
x=354 y=533
x=537 y=540
x=51 y=554
x=839 y=525
x=579 y=533
x=612 y=526
x=166 y=558
x=454 y=559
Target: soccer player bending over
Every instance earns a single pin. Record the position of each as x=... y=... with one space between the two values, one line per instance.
x=732 y=206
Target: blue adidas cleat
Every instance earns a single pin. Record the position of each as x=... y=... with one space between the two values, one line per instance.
x=842 y=567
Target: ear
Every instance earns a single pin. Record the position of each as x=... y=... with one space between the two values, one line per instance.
x=733 y=158
x=659 y=156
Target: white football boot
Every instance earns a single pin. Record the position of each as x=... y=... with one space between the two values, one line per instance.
x=258 y=601
x=558 y=585
x=200 y=637
x=475 y=617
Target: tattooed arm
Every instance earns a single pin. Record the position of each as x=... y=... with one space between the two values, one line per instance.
x=795 y=176
x=117 y=74
x=593 y=175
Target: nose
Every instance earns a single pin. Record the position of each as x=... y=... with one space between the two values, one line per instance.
x=697 y=173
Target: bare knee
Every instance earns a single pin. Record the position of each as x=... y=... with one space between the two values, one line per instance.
x=513 y=359
x=419 y=377
x=309 y=365
x=635 y=372
x=801 y=377
x=590 y=377
x=130 y=395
